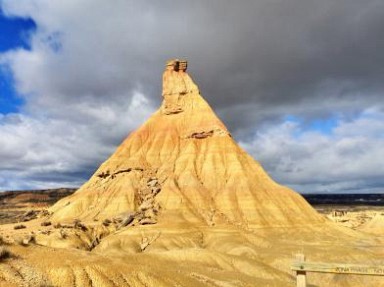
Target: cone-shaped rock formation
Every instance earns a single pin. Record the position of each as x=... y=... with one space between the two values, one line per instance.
x=182 y=166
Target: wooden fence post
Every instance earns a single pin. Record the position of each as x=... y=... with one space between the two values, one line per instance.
x=301 y=279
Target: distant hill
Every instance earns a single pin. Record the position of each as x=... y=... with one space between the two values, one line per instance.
x=47 y=197
x=374 y=199
x=33 y=198
x=13 y=204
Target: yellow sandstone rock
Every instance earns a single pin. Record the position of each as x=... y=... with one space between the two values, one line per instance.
x=183 y=166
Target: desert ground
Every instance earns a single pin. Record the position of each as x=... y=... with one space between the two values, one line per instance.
x=103 y=254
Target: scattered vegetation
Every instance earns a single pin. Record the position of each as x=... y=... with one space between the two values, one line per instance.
x=57 y=225
x=4 y=253
x=2 y=241
x=19 y=226
x=107 y=222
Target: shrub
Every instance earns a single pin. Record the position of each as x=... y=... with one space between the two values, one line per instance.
x=4 y=253
x=57 y=225
x=20 y=226
x=107 y=222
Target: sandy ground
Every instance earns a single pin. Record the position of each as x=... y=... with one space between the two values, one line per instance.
x=171 y=255
x=355 y=217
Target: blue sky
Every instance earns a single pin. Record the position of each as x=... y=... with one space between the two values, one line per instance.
x=14 y=34
x=302 y=91
x=324 y=126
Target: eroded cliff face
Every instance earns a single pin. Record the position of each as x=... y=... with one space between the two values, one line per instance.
x=183 y=166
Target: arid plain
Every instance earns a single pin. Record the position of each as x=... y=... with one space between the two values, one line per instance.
x=181 y=204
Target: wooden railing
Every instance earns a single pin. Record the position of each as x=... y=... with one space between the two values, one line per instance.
x=301 y=268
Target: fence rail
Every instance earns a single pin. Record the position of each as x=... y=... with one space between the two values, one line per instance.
x=301 y=267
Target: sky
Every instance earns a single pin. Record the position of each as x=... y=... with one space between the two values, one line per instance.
x=299 y=83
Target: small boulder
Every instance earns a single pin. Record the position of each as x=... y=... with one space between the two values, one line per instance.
x=126 y=221
x=147 y=220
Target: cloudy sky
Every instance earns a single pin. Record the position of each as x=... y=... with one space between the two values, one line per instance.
x=300 y=84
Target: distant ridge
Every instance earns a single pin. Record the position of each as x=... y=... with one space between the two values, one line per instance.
x=373 y=199
x=47 y=196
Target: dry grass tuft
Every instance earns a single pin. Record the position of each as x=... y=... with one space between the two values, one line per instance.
x=20 y=226
x=4 y=253
x=107 y=222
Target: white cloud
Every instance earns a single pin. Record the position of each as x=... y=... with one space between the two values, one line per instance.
x=82 y=96
x=347 y=159
x=38 y=152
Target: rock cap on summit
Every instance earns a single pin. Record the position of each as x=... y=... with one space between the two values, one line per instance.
x=176 y=80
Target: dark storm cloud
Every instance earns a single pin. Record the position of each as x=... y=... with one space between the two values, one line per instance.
x=297 y=55
x=265 y=53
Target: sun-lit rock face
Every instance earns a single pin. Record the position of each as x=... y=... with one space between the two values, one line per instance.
x=182 y=166
x=176 y=84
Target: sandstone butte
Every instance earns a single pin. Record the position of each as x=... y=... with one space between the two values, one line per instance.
x=182 y=165
x=181 y=204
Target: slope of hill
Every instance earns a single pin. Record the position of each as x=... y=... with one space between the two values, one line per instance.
x=183 y=166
